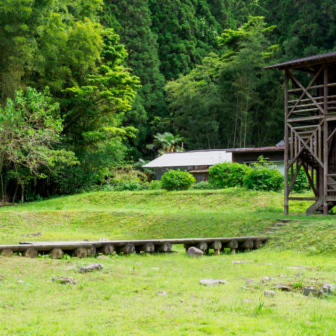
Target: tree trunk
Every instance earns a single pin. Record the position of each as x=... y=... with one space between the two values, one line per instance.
x=22 y=193
x=17 y=186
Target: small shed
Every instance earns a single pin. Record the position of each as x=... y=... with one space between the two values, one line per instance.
x=249 y=156
x=198 y=162
x=195 y=162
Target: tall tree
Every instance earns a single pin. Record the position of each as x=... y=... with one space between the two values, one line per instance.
x=29 y=127
x=131 y=19
x=228 y=101
x=304 y=28
x=47 y=43
x=187 y=32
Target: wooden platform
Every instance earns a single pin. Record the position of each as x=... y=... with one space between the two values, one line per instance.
x=86 y=248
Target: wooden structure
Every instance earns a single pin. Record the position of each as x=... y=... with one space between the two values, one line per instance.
x=82 y=249
x=310 y=127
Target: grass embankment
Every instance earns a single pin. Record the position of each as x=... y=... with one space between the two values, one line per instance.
x=123 y=299
x=141 y=215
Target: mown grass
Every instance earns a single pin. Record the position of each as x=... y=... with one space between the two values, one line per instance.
x=123 y=299
x=141 y=215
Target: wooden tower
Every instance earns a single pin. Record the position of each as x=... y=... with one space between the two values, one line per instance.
x=310 y=127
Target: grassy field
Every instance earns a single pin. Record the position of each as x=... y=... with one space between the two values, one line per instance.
x=124 y=299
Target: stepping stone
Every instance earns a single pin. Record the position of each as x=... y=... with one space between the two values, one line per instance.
x=212 y=282
x=266 y=279
x=269 y=293
x=328 y=288
x=90 y=268
x=284 y=220
x=64 y=280
x=269 y=232
x=312 y=291
x=194 y=251
x=274 y=228
x=280 y=224
x=282 y=287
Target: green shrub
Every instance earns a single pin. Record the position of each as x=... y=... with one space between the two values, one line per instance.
x=155 y=185
x=203 y=185
x=177 y=180
x=264 y=176
x=301 y=184
x=132 y=185
x=228 y=174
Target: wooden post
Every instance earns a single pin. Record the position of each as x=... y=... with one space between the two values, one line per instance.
x=202 y=246
x=7 y=252
x=233 y=245
x=56 y=253
x=30 y=253
x=247 y=245
x=166 y=247
x=148 y=248
x=286 y=143
x=257 y=244
x=80 y=252
x=91 y=251
x=107 y=249
x=217 y=245
x=325 y=140
x=129 y=248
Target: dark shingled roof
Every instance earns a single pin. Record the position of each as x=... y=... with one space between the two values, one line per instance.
x=303 y=61
x=260 y=149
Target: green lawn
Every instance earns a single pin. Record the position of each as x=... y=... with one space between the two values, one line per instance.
x=123 y=298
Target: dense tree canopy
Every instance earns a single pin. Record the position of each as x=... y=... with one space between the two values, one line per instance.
x=124 y=72
x=228 y=100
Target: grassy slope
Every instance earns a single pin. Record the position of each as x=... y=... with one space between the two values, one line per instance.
x=156 y=214
x=122 y=299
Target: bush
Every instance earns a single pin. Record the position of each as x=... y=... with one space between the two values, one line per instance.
x=177 y=180
x=203 y=185
x=264 y=176
x=228 y=174
x=301 y=184
x=155 y=185
x=133 y=185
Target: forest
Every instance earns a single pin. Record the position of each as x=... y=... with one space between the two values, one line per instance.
x=93 y=88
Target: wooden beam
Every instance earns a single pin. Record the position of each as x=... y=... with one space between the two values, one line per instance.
x=325 y=140
x=293 y=178
x=306 y=92
x=310 y=180
x=301 y=119
x=286 y=210
x=331 y=135
x=303 y=198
